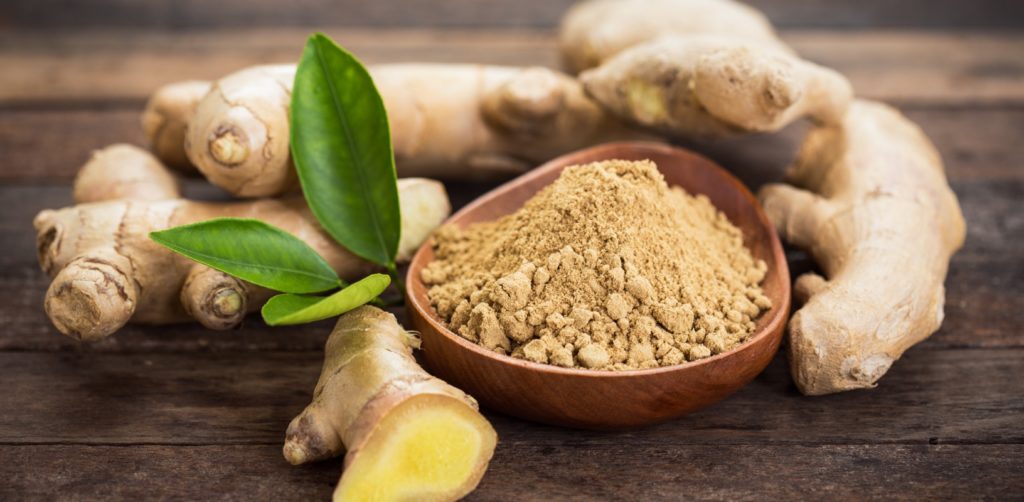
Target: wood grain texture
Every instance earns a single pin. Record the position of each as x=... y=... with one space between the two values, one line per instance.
x=753 y=472
x=149 y=472
x=192 y=14
x=526 y=472
x=125 y=66
x=955 y=396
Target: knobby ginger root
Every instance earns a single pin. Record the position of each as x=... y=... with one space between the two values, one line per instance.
x=596 y=30
x=711 y=86
x=695 y=68
x=107 y=271
x=165 y=118
x=409 y=435
x=876 y=213
x=238 y=135
x=124 y=172
x=449 y=121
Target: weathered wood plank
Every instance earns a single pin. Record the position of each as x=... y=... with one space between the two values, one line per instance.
x=938 y=396
x=170 y=14
x=120 y=66
x=524 y=471
x=125 y=66
x=155 y=472
x=665 y=472
x=53 y=145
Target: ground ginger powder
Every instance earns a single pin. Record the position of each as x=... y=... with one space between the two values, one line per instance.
x=607 y=268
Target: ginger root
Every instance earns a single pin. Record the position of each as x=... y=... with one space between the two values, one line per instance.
x=409 y=435
x=126 y=172
x=107 y=271
x=165 y=118
x=695 y=69
x=448 y=121
x=710 y=86
x=595 y=30
x=876 y=213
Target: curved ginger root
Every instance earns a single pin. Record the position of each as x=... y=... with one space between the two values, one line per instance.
x=449 y=121
x=711 y=86
x=594 y=31
x=165 y=118
x=107 y=271
x=882 y=222
x=409 y=435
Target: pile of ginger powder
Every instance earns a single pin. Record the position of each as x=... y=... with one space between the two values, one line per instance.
x=607 y=268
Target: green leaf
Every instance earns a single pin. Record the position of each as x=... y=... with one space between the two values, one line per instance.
x=341 y=147
x=253 y=251
x=299 y=309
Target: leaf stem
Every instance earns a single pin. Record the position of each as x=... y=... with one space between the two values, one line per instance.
x=396 y=278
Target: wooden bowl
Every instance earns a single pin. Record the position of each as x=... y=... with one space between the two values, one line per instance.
x=604 y=399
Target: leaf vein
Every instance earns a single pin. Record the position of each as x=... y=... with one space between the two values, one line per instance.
x=215 y=258
x=357 y=155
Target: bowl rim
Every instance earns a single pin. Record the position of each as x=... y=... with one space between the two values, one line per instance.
x=595 y=154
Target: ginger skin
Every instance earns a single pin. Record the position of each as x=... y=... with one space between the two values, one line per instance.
x=447 y=121
x=875 y=211
x=595 y=30
x=126 y=172
x=695 y=69
x=710 y=86
x=165 y=118
x=238 y=135
x=408 y=435
x=107 y=271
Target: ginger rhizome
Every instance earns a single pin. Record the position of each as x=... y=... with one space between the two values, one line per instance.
x=106 y=270
x=594 y=31
x=408 y=435
x=606 y=268
x=126 y=172
x=708 y=87
x=166 y=117
x=447 y=121
x=696 y=69
x=871 y=204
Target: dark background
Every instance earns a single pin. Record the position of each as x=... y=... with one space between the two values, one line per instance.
x=191 y=14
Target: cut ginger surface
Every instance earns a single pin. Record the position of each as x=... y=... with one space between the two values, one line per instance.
x=429 y=448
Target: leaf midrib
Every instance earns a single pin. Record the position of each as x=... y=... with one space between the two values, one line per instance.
x=214 y=258
x=354 y=148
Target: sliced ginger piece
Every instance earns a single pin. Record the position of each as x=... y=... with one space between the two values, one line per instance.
x=430 y=447
x=409 y=435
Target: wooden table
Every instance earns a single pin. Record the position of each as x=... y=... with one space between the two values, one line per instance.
x=180 y=412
